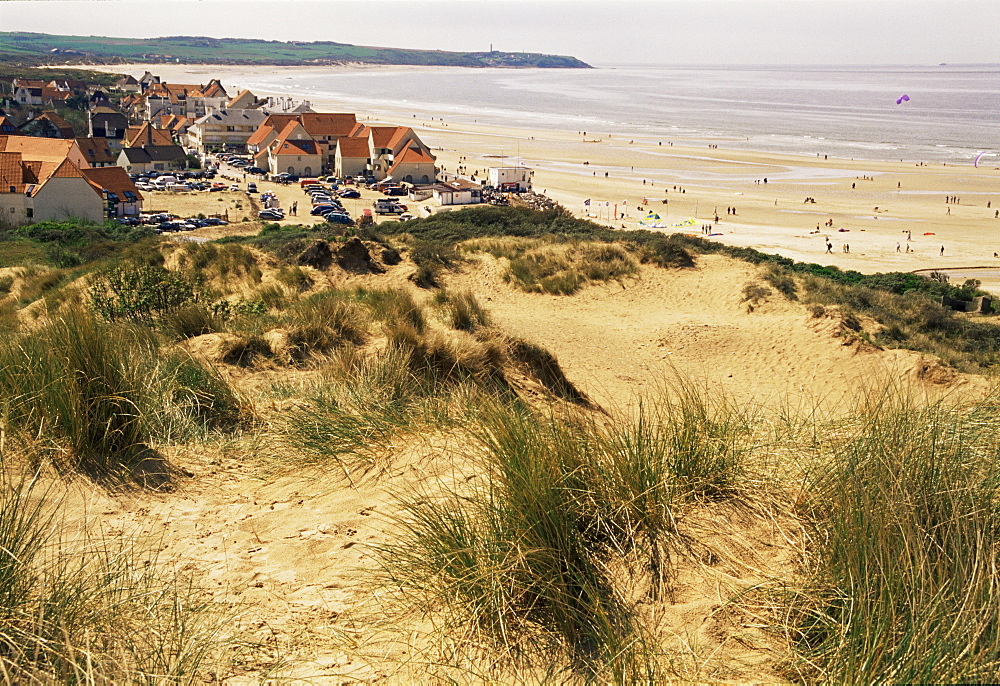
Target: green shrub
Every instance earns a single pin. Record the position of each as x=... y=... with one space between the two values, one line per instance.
x=138 y=293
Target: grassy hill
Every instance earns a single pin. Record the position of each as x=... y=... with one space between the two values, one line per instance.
x=36 y=48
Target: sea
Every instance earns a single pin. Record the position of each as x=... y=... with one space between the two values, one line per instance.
x=952 y=114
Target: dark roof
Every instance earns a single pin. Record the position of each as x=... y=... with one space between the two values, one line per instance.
x=137 y=155
x=164 y=153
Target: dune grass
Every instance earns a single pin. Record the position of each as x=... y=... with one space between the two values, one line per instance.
x=904 y=581
x=93 y=611
x=92 y=397
x=554 y=265
x=541 y=557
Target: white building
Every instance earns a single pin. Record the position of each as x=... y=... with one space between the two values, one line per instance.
x=514 y=179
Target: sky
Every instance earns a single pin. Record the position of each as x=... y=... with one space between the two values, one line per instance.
x=606 y=32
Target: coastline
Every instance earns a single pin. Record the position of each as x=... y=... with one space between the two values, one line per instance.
x=700 y=177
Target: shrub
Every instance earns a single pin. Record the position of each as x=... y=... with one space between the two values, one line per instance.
x=133 y=292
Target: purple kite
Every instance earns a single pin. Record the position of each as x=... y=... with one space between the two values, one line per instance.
x=979 y=157
x=902 y=98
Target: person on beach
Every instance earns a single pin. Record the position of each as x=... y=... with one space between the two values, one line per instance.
x=897 y=248
x=942 y=251
x=829 y=247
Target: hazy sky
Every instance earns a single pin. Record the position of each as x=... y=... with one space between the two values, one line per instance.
x=606 y=32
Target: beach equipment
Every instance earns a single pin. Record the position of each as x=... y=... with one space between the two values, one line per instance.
x=902 y=98
x=975 y=163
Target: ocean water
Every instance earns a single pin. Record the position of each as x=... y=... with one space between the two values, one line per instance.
x=843 y=111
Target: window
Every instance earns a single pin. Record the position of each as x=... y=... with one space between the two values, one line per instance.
x=30 y=212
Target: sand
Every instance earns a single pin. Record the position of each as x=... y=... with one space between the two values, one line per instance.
x=875 y=203
x=290 y=548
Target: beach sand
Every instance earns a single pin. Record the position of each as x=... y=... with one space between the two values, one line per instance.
x=875 y=202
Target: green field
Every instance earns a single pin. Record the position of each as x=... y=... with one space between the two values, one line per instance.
x=39 y=48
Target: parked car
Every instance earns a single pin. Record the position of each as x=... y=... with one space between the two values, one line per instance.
x=273 y=213
x=215 y=221
x=337 y=218
x=251 y=187
x=321 y=209
x=256 y=170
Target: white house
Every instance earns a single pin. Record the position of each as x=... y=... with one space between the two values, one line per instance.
x=514 y=179
x=458 y=192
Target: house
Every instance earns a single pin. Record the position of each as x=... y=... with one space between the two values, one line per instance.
x=140 y=160
x=389 y=144
x=224 y=130
x=107 y=122
x=266 y=133
x=68 y=85
x=28 y=95
x=98 y=152
x=192 y=101
x=245 y=100
x=121 y=197
x=47 y=125
x=294 y=152
x=351 y=158
x=146 y=80
x=146 y=134
x=513 y=179
x=48 y=151
x=7 y=126
x=128 y=84
x=413 y=165
x=176 y=125
x=327 y=129
x=458 y=192
x=39 y=182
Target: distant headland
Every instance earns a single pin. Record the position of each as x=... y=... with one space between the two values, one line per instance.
x=42 y=48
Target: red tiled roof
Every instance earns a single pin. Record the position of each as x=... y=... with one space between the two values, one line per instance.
x=327 y=124
x=66 y=170
x=413 y=156
x=381 y=135
x=296 y=147
x=96 y=150
x=113 y=180
x=353 y=147
x=398 y=136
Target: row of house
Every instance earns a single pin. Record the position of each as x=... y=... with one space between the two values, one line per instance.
x=51 y=179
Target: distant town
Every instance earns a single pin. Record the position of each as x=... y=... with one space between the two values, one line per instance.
x=76 y=150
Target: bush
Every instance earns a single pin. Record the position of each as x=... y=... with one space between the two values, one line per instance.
x=138 y=293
